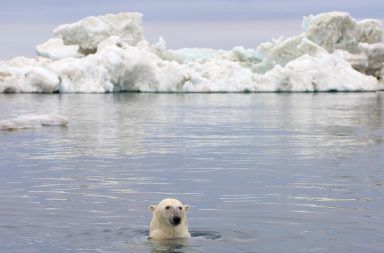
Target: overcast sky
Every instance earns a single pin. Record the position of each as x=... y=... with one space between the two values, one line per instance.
x=183 y=23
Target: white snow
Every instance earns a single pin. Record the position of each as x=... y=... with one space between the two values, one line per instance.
x=33 y=121
x=110 y=54
x=56 y=50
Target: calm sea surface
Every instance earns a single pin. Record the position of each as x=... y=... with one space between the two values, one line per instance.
x=262 y=172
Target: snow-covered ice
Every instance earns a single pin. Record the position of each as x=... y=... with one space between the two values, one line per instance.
x=110 y=54
x=33 y=121
x=89 y=32
x=55 y=49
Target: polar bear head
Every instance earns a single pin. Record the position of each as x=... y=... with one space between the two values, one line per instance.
x=170 y=210
x=169 y=219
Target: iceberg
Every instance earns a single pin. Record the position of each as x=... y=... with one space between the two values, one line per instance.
x=33 y=121
x=109 y=53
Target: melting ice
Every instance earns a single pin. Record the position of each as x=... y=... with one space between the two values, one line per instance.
x=110 y=54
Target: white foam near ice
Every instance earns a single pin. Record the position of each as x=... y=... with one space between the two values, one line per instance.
x=33 y=121
x=110 y=54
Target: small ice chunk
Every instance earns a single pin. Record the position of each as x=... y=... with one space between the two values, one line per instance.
x=33 y=121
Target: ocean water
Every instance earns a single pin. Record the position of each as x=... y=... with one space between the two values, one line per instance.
x=262 y=172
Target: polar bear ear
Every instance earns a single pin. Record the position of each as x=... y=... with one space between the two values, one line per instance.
x=186 y=208
x=152 y=207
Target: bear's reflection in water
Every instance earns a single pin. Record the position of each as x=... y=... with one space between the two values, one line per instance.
x=169 y=246
x=184 y=245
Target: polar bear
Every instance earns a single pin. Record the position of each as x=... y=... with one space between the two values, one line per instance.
x=169 y=220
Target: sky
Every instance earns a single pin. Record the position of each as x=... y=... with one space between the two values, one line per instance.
x=182 y=23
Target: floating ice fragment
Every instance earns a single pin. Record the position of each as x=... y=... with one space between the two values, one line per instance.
x=33 y=121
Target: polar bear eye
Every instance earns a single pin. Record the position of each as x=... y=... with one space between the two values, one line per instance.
x=167 y=207
x=180 y=208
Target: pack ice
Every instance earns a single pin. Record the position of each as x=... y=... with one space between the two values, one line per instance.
x=110 y=54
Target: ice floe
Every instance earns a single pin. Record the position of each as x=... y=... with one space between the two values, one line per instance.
x=110 y=54
x=33 y=121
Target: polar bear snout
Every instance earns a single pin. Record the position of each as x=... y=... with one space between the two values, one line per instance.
x=175 y=214
x=175 y=220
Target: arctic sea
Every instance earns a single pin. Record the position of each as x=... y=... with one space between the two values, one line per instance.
x=270 y=173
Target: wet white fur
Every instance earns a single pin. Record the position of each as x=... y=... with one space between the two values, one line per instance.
x=161 y=227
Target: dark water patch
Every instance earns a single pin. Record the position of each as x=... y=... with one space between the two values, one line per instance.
x=208 y=235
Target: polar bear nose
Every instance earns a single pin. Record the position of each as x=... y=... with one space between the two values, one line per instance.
x=176 y=220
